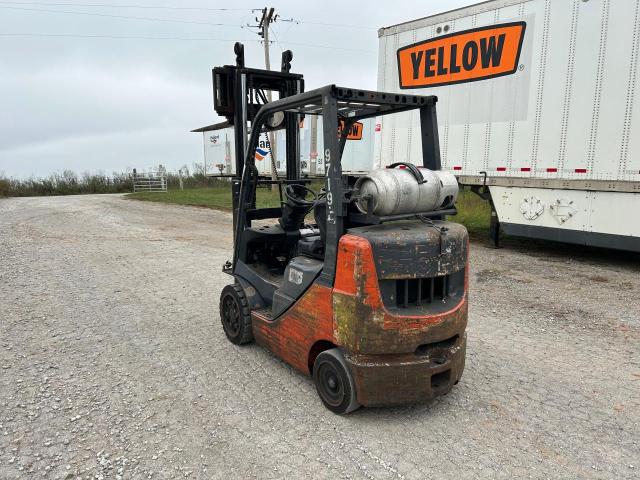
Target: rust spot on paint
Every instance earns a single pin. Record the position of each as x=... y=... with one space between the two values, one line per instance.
x=293 y=334
x=364 y=325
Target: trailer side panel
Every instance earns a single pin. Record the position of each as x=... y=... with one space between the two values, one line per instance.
x=569 y=111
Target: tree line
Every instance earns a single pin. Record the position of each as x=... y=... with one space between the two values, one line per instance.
x=72 y=183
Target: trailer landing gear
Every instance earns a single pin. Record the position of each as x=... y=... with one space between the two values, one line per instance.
x=494 y=227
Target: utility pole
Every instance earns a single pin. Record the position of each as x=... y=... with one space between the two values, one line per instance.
x=268 y=17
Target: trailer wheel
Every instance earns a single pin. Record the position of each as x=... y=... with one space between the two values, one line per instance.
x=334 y=382
x=235 y=315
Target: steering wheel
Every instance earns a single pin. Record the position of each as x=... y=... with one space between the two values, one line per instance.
x=296 y=195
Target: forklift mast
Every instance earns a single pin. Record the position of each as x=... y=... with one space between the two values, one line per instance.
x=239 y=92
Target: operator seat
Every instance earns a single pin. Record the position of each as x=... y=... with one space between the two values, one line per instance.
x=313 y=245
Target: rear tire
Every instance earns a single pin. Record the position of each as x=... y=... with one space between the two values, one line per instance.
x=235 y=315
x=334 y=382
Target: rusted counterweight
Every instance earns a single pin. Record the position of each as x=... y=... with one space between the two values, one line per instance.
x=403 y=310
x=398 y=310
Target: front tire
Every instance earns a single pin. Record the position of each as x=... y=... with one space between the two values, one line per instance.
x=334 y=382
x=235 y=315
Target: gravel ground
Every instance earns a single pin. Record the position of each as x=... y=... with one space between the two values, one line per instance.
x=113 y=363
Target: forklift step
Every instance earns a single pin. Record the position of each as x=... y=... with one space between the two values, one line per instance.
x=264 y=313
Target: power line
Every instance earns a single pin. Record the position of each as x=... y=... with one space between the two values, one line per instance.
x=102 y=5
x=124 y=37
x=309 y=45
x=275 y=35
x=325 y=24
x=146 y=37
x=94 y=14
x=336 y=48
x=196 y=39
x=155 y=19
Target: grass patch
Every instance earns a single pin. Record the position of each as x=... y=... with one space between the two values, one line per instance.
x=473 y=212
x=214 y=197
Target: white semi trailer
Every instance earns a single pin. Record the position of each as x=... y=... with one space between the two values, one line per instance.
x=539 y=101
x=219 y=149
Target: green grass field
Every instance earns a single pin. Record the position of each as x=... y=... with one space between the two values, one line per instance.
x=473 y=212
x=218 y=197
x=211 y=197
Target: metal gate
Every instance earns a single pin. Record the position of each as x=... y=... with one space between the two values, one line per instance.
x=151 y=181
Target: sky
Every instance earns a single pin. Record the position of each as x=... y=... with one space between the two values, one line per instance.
x=105 y=86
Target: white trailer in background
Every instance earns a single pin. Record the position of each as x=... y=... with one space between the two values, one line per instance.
x=539 y=101
x=219 y=149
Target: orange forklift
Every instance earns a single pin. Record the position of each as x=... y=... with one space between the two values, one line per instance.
x=362 y=285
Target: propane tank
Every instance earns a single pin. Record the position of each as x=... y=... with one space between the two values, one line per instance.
x=397 y=191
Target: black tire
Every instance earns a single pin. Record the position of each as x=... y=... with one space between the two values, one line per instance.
x=235 y=315
x=334 y=382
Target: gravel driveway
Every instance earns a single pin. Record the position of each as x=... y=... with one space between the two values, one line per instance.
x=113 y=363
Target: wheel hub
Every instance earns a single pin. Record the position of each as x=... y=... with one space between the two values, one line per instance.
x=231 y=315
x=330 y=384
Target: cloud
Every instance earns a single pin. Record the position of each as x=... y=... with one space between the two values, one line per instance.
x=82 y=99
x=107 y=152
x=106 y=104
x=66 y=117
